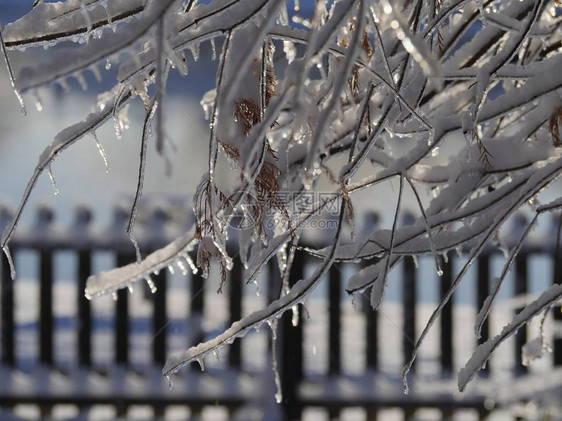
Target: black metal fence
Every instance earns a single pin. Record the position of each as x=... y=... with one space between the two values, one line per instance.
x=46 y=387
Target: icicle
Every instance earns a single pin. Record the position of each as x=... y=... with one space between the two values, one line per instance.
x=295 y=318
x=121 y=122
x=258 y=290
x=64 y=85
x=114 y=296
x=445 y=257
x=289 y=50
x=213 y=49
x=297 y=6
x=305 y=310
x=6 y=251
x=171 y=269
x=136 y=246
x=283 y=17
x=314 y=349
x=190 y=262
x=201 y=363
x=38 y=103
x=504 y=250
x=53 y=181
x=117 y=127
x=182 y=63
x=182 y=267
x=207 y=111
x=107 y=65
x=151 y=284
x=81 y=81
x=435 y=191
x=11 y=74
x=415 y=259
x=104 y=5
x=194 y=52
x=102 y=152
x=96 y=72
x=170 y=381
x=216 y=354
x=278 y=393
x=435 y=151
x=458 y=250
x=86 y=15
x=130 y=288
x=273 y=326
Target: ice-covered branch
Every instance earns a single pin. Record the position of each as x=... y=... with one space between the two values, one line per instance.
x=484 y=351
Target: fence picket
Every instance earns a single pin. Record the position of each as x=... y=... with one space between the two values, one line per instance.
x=291 y=354
x=159 y=318
x=482 y=292
x=446 y=319
x=84 y=310
x=520 y=288
x=84 y=240
x=409 y=300
x=235 y=306
x=8 y=326
x=122 y=317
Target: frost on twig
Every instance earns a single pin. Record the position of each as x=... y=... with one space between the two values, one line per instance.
x=303 y=100
x=483 y=352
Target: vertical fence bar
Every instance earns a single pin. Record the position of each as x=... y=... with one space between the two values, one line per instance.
x=446 y=320
x=334 y=329
x=291 y=350
x=482 y=292
x=46 y=307
x=122 y=317
x=84 y=310
x=197 y=310
x=8 y=327
x=520 y=288
x=557 y=279
x=334 y=312
x=235 y=306
x=371 y=342
x=159 y=318
x=46 y=325
x=409 y=298
x=371 y=317
x=84 y=269
x=371 y=329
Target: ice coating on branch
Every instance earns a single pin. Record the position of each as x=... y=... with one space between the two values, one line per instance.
x=533 y=350
x=67 y=61
x=107 y=282
x=298 y=293
x=6 y=251
x=348 y=91
x=50 y=23
x=10 y=73
x=101 y=150
x=482 y=353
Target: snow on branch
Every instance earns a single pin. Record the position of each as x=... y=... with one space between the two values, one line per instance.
x=305 y=100
x=484 y=351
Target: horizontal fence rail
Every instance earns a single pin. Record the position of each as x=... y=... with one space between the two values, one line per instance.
x=230 y=383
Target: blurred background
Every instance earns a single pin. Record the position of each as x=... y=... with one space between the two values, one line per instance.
x=66 y=358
